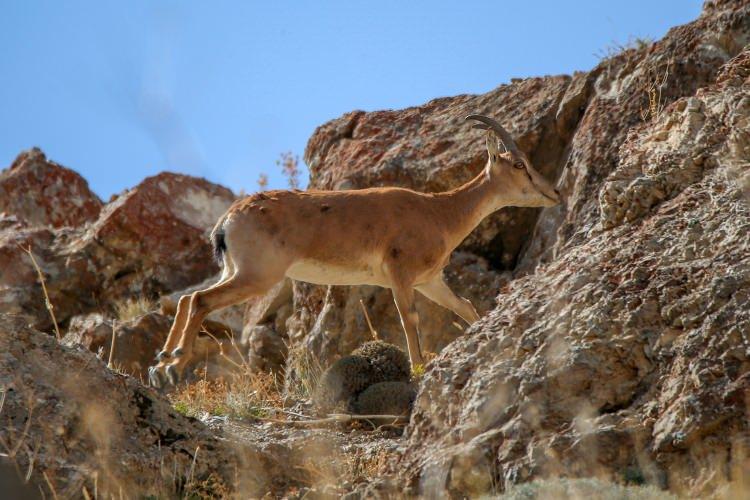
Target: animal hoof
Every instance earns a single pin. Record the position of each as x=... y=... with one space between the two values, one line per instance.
x=162 y=356
x=177 y=352
x=154 y=377
x=172 y=375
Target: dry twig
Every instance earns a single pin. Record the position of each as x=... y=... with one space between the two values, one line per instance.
x=369 y=323
x=47 y=302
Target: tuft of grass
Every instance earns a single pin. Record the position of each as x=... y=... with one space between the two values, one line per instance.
x=614 y=49
x=303 y=372
x=127 y=310
x=243 y=395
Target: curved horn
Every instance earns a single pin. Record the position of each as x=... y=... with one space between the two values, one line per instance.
x=489 y=123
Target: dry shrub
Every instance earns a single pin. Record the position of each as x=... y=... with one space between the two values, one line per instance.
x=243 y=394
x=127 y=310
x=289 y=165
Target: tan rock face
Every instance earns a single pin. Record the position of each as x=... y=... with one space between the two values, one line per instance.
x=43 y=193
x=627 y=354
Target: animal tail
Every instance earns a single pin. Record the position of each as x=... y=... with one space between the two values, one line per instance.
x=219 y=242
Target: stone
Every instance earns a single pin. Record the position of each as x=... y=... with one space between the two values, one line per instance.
x=149 y=241
x=44 y=193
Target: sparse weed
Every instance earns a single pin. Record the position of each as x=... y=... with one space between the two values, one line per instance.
x=563 y=488
x=653 y=89
x=289 y=164
x=243 y=395
x=304 y=372
x=614 y=49
x=129 y=309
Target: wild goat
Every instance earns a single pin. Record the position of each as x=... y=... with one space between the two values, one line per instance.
x=391 y=237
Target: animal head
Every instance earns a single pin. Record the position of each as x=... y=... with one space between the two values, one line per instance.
x=518 y=182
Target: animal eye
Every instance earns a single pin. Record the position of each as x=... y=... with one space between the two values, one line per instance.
x=519 y=164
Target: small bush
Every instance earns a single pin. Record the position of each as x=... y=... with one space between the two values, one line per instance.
x=133 y=308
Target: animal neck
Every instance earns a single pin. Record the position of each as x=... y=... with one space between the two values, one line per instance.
x=465 y=207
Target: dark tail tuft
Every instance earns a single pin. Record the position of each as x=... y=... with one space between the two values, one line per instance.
x=220 y=245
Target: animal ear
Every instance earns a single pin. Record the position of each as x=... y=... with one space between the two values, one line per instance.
x=493 y=145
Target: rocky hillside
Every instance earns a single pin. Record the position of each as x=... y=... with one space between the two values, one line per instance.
x=615 y=338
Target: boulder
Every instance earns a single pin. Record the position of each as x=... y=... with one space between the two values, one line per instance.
x=136 y=341
x=149 y=241
x=76 y=424
x=44 y=193
x=153 y=239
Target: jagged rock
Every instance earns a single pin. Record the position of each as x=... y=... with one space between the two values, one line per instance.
x=628 y=350
x=79 y=421
x=153 y=238
x=149 y=241
x=43 y=193
x=266 y=349
x=136 y=341
x=266 y=307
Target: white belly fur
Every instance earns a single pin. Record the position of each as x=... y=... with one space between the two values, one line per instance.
x=321 y=273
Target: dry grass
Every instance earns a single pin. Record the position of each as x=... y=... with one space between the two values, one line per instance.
x=241 y=395
x=289 y=165
x=579 y=489
x=304 y=372
x=130 y=309
x=47 y=302
x=614 y=49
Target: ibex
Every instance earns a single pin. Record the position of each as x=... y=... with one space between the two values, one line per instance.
x=391 y=237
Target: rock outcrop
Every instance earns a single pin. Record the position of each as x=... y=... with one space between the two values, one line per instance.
x=627 y=354
x=78 y=429
x=571 y=127
x=43 y=193
x=149 y=241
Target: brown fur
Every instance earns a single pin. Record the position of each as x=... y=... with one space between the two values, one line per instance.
x=391 y=237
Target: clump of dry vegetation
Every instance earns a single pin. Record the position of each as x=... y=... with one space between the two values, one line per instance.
x=129 y=309
x=289 y=164
x=243 y=394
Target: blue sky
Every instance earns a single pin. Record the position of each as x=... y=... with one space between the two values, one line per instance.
x=122 y=90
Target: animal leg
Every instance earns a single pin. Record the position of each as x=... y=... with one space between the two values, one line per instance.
x=438 y=291
x=404 y=299
x=178 y=325
x=201 y=304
